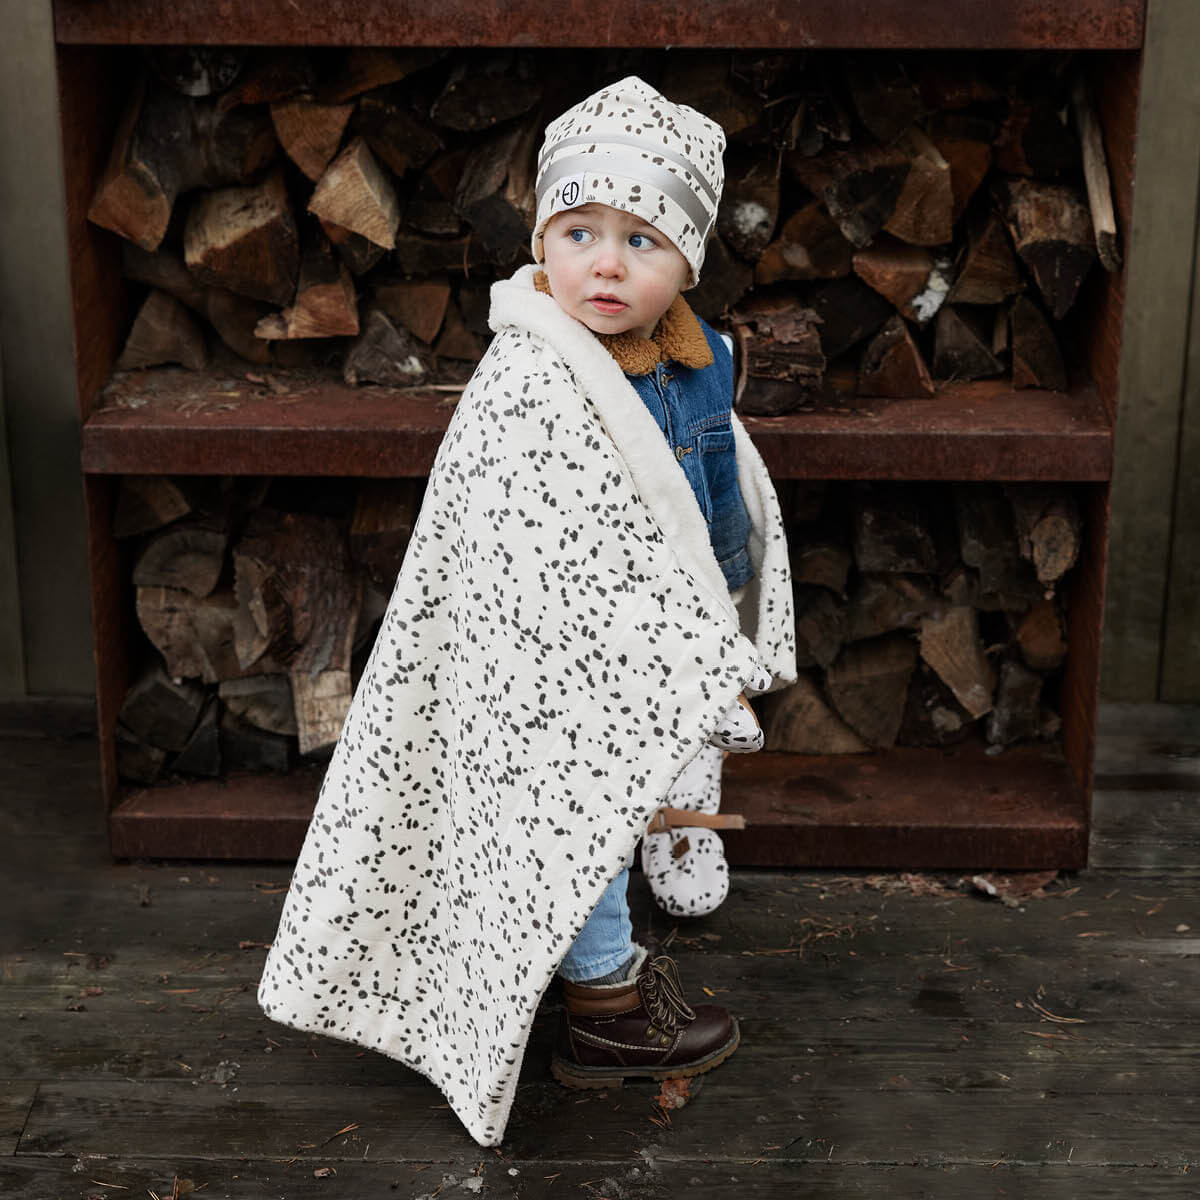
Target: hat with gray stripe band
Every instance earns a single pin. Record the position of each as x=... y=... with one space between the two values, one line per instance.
x=631 y=148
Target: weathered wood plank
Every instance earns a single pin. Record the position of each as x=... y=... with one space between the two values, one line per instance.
x=16 y=1099
x=1154 y=351
x=1146 y=831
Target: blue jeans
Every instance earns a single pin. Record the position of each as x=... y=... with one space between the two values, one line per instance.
x=606 y=940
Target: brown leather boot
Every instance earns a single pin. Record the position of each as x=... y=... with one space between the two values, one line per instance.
x=641 y=1028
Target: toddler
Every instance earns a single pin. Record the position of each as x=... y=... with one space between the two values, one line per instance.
x=596 y=579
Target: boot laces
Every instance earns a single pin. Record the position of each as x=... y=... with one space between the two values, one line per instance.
x=662 y=994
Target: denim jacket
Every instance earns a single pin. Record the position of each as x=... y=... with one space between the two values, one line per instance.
x=692 y=406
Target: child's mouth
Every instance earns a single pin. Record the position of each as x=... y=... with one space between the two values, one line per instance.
x=607 y=304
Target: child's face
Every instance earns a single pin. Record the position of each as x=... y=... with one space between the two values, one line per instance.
x=611 y=270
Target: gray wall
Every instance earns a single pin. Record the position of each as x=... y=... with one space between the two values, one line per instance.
x=1152 y=642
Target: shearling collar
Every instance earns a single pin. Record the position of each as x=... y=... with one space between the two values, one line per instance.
x=677 y=337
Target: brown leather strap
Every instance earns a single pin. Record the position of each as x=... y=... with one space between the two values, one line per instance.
x=675 y=818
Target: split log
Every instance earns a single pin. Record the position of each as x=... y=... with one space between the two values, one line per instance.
x=264 y=701
x=202 y=753
x=969 y=160
x=1037 y=361
x=1016 y=714
x=270 y=75
x=849 y=311
x=196 y=70
x=384 y=514
x=244 y=747
x=163 y=332
x=823 y=564
x=495 y=193
x=932 y=716
x=190 y=554
x=137 y=761
x=892 y=535
x=1034 y=140
x=1052 y=231
x=1039 y=636
x=161 y=711
x=418 y=305
x=724 y=280
x=859 y=186
x=885 y=603
x=924 y=211
x=479 y=96
x=146 y=503
x=749 y=208
x=950 y=645
x=371 y=609
x=244 y=239
x=165 y=145
x=701 y=79
x=309 y=132
x=950 y=82
x=1000 y=338
x=988 y=544
x=799 y=721
x=430 y=202
x=415 y=254
x=262 y=625
x=235 y=319
x=885 y=98
x=810 y=246
x=354 y=193
x=820 y=625
x=779 y=340
x=1049 y=528
x=365 y=68
x=357 y=252
x=325 y=303
x=456 y=341
x=387 y=355
x=868 y=685
x=194 y=635
x=398 y=133
x=1095 y=174
x=989 y=272
x=909 y=276
x=892 y=365
x=959 y=349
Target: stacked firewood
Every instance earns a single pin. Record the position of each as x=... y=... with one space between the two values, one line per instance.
x=259 y=600
x=888 y=221
x=925 y=614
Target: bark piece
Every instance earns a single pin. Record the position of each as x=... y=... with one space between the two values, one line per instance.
x=384 y=514
x=959 y=349
x=1037 y=361
x=798 y=720
x=146 y=503
x=264 y=701
x=778 y=340
x=749 y=208
x=309 y=132
x=1049 y=528
x=950 y=645
x=989 y=272
x=202 y=753
x=163 y=332
x=909 y=276
x=1039 y=636
x=387 y=355
x=1095 y=174
x=810 y=246
x=419 y=305
x=160 y=711
x=495 y=192
x=868 y=685
x=355 y=194
x=189 y=554
x=1016 y=714
x=1052 y=232
x=325 y=303
x=244 y=239
x=892 y=365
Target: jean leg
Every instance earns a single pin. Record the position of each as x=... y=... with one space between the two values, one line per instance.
x=606 y=940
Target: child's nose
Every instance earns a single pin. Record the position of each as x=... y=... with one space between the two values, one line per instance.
x=608 y=260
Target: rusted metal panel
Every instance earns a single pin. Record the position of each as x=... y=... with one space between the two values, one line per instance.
x=882 y=24
x=173 y=421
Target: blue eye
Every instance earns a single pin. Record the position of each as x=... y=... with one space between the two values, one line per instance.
x=577 y=235
x=639 y=240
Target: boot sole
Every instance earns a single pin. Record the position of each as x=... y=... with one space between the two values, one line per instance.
x=575 y=1076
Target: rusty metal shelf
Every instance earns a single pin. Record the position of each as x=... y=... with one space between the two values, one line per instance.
x=912 y=808
x=172 y=421
x=877 y=24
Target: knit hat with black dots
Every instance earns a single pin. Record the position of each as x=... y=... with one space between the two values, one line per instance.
x=631 y=148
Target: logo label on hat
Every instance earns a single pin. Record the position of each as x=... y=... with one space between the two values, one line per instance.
x=572 y=191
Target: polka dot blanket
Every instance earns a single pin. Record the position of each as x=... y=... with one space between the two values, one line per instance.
x=559 y=645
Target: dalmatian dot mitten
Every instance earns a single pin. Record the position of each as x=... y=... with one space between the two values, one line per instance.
x=739 y=731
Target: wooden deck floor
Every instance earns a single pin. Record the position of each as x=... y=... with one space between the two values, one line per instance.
x=896 y=1044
